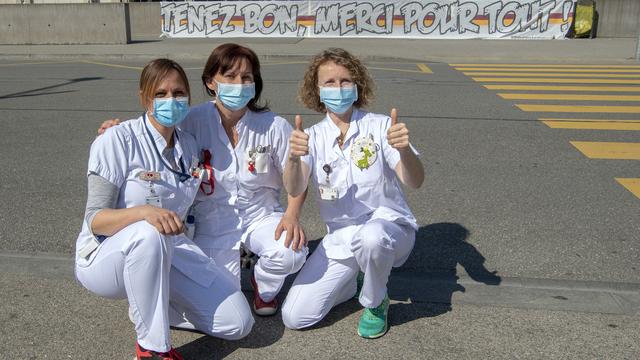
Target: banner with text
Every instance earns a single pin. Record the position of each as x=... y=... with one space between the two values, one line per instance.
x=445 y=19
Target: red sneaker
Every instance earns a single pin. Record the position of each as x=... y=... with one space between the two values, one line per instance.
x=259 y=306
x=142 y=354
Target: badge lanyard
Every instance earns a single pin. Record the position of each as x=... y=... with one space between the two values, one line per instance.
x=183 y=176
x=206 y=163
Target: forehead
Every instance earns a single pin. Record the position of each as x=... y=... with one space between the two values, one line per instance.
x=172 y=79
x=239 y=65
x=330 y=69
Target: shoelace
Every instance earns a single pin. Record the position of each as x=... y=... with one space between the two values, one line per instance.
x=379 y=311
x=171 y=354
x=174 y=355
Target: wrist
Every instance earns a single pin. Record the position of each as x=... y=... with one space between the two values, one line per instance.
x=405 y=151
x=291 y=214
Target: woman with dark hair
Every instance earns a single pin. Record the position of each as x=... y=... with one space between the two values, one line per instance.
x=143 y=176
x=248 y=147
x=244 y=148
x=355 y=158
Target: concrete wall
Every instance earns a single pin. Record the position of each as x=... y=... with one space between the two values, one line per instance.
x=64 y=24
x=116 y=23
x=618 y=18
x=145 y=21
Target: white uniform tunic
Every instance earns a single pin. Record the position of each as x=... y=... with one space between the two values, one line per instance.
x=370 y=226
x=245 y=205
x=167 y=279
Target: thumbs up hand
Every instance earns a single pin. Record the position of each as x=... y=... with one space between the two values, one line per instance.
x=299 y=141
x=398 y=133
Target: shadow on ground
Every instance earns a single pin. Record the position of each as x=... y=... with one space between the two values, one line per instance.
x=429 y=276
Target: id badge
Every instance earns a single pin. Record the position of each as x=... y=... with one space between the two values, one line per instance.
x=262 y=163
x=328 y=193
x=153 y=200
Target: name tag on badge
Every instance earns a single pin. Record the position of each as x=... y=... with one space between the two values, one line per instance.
x=153 y=200
x=328 y=193
x=149 y=176
x=199 y=173
x=262 y=163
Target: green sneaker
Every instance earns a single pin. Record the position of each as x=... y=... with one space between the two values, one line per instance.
x=373 y=322
x=359 y=281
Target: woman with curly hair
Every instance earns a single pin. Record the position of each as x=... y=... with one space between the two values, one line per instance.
x=355 y=159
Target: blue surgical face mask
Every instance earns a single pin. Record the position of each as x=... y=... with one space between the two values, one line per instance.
x=338 y=99
x=235 y=96
x=170 y=111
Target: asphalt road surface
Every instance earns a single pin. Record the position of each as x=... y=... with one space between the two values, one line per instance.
x=530 y=203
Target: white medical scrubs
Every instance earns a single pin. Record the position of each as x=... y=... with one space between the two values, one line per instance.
x=245 y=204
x=167 y=280
x=370 y=226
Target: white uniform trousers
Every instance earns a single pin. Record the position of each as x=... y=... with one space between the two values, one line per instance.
x=275 y=263
x=136 y=263
x=323 y=283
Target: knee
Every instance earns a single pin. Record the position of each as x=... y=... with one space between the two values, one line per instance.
x=292 y=320
x=372 y=239
x=296 y=316
x=285 y=261
x=149 y=240
x=293 y=260
x=234 y=320
x=240 y=328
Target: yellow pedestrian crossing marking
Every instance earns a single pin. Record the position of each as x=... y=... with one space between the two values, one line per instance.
x=580 y=108
x=622 y=76
x=632 y=185
x=564 y=88
x=604 y=70
x=552 y=66
x=577 y=97
x=112 y=65
x=553 y=83
x=592 y=124
x=424 y=68
x=554 y=80
x=608 y=150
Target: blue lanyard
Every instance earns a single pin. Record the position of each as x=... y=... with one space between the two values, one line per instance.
x=182 y=175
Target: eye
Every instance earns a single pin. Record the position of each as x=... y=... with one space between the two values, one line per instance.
x=160 y=94
x=247 y=78
x=346 y=83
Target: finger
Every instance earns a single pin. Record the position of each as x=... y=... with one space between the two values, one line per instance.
x=394 y=116
x=298 y=122
x=287 y=239
x=278 y=232
x=296 y=238
x=290 y=233
x=158 y=227
x=173 y=226
x=303 y=237
x=166 y=228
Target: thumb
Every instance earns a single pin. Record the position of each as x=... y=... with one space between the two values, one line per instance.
x=394 y=116
x=298 y=122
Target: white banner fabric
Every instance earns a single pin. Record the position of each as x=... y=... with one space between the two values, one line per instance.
x=426 y=19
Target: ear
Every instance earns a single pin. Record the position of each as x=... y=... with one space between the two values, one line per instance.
x=142 y=102
x=211 y=85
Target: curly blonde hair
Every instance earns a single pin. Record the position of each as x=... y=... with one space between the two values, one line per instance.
x=309 y=92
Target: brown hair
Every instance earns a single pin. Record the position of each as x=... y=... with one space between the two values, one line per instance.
x=153 y=73
x=225 y=57
x=309 y=92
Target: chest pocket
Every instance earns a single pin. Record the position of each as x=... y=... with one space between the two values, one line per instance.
x=257 y=167
x=338 y=172
x=366 y=163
